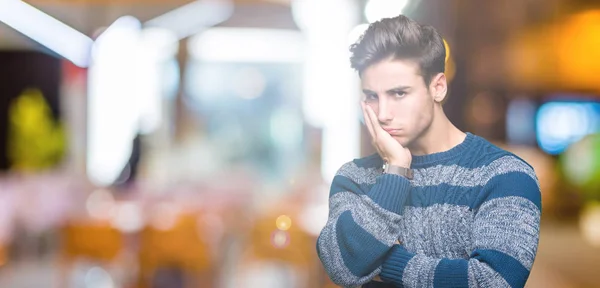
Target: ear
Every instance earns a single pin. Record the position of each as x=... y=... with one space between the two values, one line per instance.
x=439 y=87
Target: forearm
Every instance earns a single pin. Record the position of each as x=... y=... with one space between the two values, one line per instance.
x=405 y=269
x=484 y=269
x=351 y=254
x=505 y=239
x=361 y=229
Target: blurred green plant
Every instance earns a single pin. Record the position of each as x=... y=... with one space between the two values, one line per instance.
x=580 y=164
x=36 y=141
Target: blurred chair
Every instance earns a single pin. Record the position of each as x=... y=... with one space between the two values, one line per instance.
x=3 y=254
x=98 y=241
x=275 y=241
x=91 y=240
x=176 y=248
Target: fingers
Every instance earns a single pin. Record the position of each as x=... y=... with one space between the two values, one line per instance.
x=367 y=120
x=369 y=124
x=372 y=121
x=377 y=130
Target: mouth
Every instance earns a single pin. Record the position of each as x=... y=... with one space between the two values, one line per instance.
x=393 y=132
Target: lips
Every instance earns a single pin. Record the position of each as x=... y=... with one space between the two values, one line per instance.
x=392 y=131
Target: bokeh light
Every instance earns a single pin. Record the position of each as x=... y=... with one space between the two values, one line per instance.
x=100 y=204
x=378 y=9
x=589 y=223
x=280 y=239
x=128 y=217
x=581 y=165
x=283 y=222
x=561 y=123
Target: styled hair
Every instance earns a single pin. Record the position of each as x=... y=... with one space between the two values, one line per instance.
x=400 y=38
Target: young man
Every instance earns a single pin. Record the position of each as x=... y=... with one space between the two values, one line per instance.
x=448 y=208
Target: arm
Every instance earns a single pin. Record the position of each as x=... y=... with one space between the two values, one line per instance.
x=505 y=240
x=363 y=225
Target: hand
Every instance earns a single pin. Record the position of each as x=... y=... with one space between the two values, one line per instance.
x=388 y=148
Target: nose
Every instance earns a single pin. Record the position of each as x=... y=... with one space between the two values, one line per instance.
x=384 y=115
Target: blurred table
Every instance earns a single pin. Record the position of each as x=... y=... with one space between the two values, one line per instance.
x=564 y=259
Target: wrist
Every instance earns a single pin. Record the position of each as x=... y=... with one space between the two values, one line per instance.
x=398 y=170
x=399 y=163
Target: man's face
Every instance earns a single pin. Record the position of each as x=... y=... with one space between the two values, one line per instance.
x=400 y=98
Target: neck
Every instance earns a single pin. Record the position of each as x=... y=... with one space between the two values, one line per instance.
x=441 y=135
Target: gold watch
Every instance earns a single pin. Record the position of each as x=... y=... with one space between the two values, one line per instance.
x=402 y=171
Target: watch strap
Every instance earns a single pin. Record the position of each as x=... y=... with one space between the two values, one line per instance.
x=397 y=170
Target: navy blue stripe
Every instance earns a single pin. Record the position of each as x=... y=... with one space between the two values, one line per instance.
x=511 y=184
x=362 y=252
x=451 y=273
x=391 y=192
x=491 y=151
x=425 y=196
x=508 y=267
x=392 y=269
x=344 y=184
x=503 y=185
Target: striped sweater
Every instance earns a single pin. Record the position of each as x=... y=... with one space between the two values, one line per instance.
x=469 y=218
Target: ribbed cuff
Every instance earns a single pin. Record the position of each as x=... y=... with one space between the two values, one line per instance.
x=453 y=273
x=393 y=266
x=390 y=192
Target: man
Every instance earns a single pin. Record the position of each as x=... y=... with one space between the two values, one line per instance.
x=448 y=208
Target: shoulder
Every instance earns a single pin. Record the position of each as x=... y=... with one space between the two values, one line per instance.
x=371 y=161
x=364 y=163
x=361 y=170
x=493 y=160
x=507 y=175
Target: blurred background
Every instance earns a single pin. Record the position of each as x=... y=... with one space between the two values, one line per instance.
x=154 y=143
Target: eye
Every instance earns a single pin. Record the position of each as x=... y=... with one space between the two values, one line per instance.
x=400 y=94
x=370 y=96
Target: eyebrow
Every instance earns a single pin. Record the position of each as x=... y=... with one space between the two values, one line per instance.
x=389 y=91
x=397 y=89
x=367 y=91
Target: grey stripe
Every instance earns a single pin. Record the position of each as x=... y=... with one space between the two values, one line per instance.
x=359 y=175
x=382 y=224
x=509 y=225
x=440 y=230
x=483 y=276
x=468 y=177
x=420 y=271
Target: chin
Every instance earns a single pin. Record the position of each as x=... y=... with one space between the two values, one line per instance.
x=403 y=140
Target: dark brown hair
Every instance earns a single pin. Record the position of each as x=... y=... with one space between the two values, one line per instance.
x=400 y=38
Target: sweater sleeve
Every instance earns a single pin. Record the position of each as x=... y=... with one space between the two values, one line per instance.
x=363 y=224
x=505 y=234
